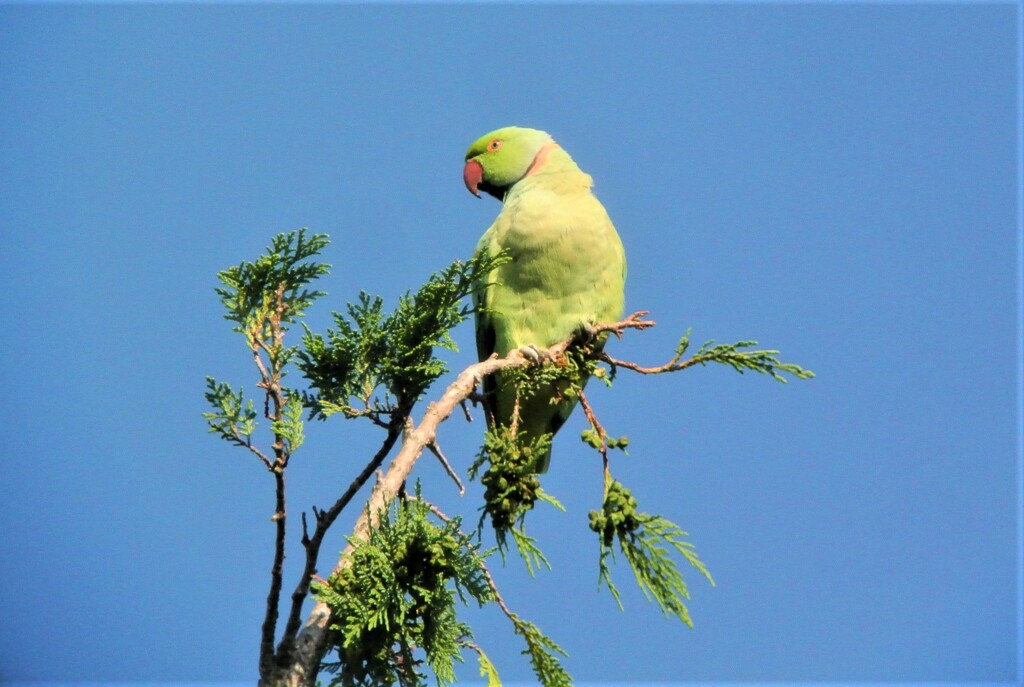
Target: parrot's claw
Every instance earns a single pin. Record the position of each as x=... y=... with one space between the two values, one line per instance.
x=586 y=334
x=534 y=354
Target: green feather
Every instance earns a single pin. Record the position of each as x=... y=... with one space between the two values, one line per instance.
x=567 y=267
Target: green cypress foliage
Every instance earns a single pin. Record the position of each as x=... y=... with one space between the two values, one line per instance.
x=647 y=542
x=372 y=363
x=394 y=600
x=397 y=597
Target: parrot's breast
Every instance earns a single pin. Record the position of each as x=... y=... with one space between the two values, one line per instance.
x=566 y=269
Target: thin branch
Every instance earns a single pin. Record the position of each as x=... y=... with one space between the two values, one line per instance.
x=278 y=316
x=371 y=413
x=672 y=365
x=634 y=321
x=436 y=450
x=433 y=509
x=734 y=355
x=271 y=383
x=469 y=644
x=257 y=359
x=324 y=520
x=259 y=454
x=497 y=595
x=592 y=419
x=599 y=428
x=276 y=579
x=309 y=644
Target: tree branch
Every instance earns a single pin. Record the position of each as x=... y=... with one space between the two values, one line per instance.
x=271 y=383
x=436 y=450
x=276 y=578
x=671 y=366
x=258 y=453
x=309 y=645
x=299 y=667
x=324 y=520
x=602 y=434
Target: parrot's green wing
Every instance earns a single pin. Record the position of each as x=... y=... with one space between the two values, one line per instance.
x=485 y=339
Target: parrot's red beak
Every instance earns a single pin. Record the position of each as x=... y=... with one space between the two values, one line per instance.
x=473 y=174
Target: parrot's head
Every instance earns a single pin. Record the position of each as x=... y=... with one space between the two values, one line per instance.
x=495 y=162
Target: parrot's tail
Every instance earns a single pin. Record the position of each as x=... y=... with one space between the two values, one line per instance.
x=543 y=462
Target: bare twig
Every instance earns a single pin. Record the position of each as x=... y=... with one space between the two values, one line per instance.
x=472 y=645
x=514 y=427
x=497 y=594
x=433 y=509
x=259 y=454
x=436 y=450
x=592 y=419
x=276 y=578
x=278 y=316
x=672 y=365
x=372 y=413
x=634 y=321
x=324 y=520
x=258 y=343
x=599 y=428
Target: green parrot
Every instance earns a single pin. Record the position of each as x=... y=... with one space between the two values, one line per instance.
x=567 y=269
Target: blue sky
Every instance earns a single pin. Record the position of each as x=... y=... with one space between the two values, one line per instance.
x=835 y=180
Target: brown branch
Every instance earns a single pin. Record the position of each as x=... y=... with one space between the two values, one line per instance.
x=473 y=645
x=672 y=365
x=605 y=463
x=465 y=409
x=300 y=666
x=514 y=426
x=592 y=419
x=257 y=359
x=497 y=595
x=276 y=579
x=278 y=317
x=324 y=520
x=599 y=428
x=431 y=507
x=371 y=413
x=634 y=321
x=436 y=450
x=271 y=383
x=258 y=453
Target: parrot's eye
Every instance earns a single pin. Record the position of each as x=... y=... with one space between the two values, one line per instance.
x=494 y=145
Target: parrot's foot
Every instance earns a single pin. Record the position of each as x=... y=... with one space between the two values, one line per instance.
x=535 y=355
x=586 y=334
